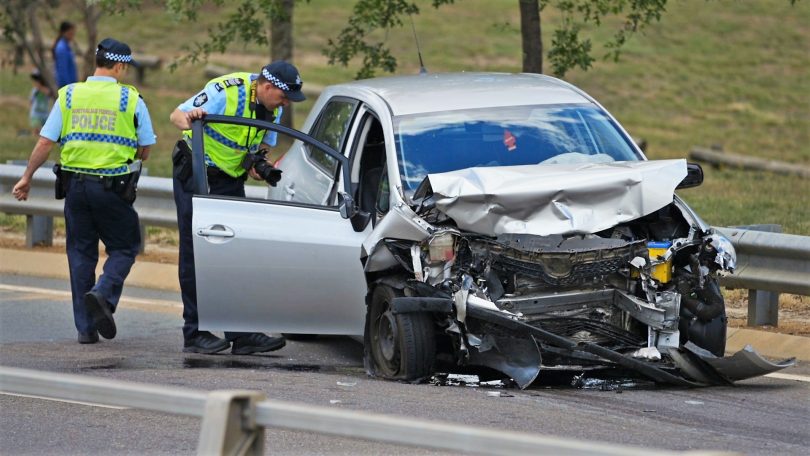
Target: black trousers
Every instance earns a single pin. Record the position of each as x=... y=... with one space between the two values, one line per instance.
x=219 y=184
x=92 y=213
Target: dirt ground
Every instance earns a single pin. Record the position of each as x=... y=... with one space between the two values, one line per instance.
x=794 y=310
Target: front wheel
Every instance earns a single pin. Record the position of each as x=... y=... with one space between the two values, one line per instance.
x=403 y=346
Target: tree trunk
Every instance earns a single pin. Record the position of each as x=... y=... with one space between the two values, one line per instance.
x=90 y=16
x=36 y=48
x=530 y=35
x=281 y=39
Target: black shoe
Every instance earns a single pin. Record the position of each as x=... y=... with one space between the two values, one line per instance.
x=256 y=343
x=101 y=313
x=206 y=343
x=88 y=338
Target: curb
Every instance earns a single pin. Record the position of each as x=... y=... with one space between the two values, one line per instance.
x=55 y=265
x=164 y=277
x=767 y=343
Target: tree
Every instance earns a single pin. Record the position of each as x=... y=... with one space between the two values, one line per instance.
x=21 y=21
x=568 y=49
x=263 y=22
x=531 y=39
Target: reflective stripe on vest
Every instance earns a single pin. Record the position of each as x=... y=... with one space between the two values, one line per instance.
x=225 y=145
x=98 y=126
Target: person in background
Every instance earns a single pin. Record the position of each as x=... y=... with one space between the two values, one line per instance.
x=39 y=102
x=63 y=58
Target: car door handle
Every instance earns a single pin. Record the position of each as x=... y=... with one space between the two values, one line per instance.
x=217 y=230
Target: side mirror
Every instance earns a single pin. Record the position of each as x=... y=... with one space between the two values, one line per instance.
x=346 y=205
x=360 y=220
x=694 y=176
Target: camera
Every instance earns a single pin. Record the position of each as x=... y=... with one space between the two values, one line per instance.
x=266 y=171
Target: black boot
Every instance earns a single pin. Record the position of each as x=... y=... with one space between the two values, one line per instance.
x=101 y=313
x=206 y=343
x=256 y=343
x=88 y=338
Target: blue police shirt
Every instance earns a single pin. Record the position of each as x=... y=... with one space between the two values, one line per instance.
x=146 y=135
x=213 y=102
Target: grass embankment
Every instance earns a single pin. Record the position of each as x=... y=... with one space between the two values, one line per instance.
x=733 y=74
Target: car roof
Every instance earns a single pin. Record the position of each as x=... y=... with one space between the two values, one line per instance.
x=451 y=91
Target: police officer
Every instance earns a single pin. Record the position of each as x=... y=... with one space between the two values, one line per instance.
x=258 y=96
x=105 y=132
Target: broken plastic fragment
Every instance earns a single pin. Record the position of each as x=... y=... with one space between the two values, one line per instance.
x=650 y=353
x=638 y=262
x=498 y=394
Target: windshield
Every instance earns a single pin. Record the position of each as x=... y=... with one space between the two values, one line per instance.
x=506 y=136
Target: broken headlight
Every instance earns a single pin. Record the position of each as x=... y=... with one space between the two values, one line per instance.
x=726 y=256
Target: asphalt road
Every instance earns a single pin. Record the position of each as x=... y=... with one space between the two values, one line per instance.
x=768 y=415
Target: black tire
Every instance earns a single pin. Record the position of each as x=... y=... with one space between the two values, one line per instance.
x=300 y=337
x=403 y=346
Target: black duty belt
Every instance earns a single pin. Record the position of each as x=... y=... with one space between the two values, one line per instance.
x=90 y=177
x=86 y=177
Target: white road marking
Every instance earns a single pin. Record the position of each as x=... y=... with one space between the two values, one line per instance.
x=67 y=295
x=798 y=378
x=91 y=404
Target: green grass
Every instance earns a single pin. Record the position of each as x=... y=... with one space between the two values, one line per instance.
x=733 y=74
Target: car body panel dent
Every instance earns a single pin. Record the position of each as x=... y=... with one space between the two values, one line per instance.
x=555 y=199
x=400 y=223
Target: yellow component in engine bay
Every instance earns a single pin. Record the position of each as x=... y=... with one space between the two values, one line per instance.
x=661 y=270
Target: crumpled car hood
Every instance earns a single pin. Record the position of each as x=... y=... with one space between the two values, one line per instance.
x=551 y=199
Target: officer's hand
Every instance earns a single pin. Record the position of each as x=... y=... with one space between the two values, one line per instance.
x=194 y=114
x=253 y=174
x=21 y=189
x=143 y=153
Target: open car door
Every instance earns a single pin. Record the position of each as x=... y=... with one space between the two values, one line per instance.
x=276 y=266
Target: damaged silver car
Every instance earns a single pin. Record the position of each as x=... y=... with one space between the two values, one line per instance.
x=473 y=220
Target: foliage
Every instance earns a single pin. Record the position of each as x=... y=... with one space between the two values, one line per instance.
x=249 y=23
x=367 y=16
x=21 y=18
x=568 y=48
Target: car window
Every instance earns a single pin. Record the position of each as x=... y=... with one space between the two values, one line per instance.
x=331 y=128
x=506 y=136
x=293 y=178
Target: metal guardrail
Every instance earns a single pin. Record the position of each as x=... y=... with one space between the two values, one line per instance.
x=155 y=202
x=766 y=262
x=234 y=420
x=769 y=261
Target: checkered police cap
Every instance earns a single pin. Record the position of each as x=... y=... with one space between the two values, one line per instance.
x=115 y=51
x=286 y=77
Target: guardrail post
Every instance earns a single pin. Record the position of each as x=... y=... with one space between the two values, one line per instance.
x=38 y=230
x=142 y=247
x=229 y=425
x=763 y=308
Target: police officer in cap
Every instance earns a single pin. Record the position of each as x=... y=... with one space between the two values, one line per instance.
x=258 y=96
x=105 y=131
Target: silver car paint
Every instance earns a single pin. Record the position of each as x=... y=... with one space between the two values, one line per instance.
x=285 y=268
x=544 y=199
